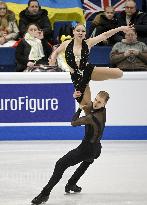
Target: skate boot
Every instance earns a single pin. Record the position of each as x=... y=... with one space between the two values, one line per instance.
x=73 y=188
x=41 y=198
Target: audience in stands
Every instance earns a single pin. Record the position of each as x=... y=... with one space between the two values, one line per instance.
x=8 y=27
x=131 y=15
x=130 y=54
x=33 y=49
x=34 y=14
x=105 y=21
x=66 y=30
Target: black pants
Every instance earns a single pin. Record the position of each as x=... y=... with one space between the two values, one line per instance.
x=86 y=153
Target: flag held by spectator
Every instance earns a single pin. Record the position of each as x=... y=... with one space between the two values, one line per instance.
x=58 y=10
x=91 y=7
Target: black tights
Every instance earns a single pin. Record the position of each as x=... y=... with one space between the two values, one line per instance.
x=72 y=158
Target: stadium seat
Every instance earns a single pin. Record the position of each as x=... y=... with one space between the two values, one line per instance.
x=99 y=55
x=7 y=59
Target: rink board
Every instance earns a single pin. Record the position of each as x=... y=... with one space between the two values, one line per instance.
x=70 y=133
x=23 y=117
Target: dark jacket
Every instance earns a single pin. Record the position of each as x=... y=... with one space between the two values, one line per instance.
x=102 y=24
x=22 y=53
x=94 y=123
x=41 y=19
x=139 y=20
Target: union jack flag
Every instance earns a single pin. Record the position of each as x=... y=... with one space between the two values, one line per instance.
x=93 y=6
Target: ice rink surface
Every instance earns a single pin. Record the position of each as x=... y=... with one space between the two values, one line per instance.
x=117 y=177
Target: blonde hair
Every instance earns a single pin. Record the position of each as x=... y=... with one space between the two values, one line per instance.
x=104 y=94
x=4 y=19
x=79 y=24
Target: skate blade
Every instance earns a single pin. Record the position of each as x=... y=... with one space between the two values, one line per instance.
x=71 y=193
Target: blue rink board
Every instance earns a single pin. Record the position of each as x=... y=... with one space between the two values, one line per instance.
x=70 y=133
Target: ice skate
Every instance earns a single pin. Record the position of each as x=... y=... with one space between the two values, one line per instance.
x=73 y=188
x=41 y=198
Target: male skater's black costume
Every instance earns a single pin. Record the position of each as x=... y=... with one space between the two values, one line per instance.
x=86 y=152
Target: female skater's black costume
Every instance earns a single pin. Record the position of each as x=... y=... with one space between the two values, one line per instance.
x=82 y=74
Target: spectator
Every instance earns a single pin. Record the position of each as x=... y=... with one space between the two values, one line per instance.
x=34 y=14
x=130 y=54
x=33 y=49
x=66 y=30
x=105 y=21
x=8 y=27
x=134 y=17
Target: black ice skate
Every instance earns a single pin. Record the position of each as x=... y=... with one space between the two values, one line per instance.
x=73 y=188
x=41 y=198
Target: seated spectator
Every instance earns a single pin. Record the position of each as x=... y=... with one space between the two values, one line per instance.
x=34 y=14
x=134 y=17
x=8 y=27
x=66 y=30
x=105 y=21
x=130 y=54
x=33 y=49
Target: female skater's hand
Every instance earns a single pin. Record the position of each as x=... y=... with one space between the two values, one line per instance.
x=51 y=62
x=127 y=28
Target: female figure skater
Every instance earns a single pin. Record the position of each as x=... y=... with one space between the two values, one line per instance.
x=77 y=53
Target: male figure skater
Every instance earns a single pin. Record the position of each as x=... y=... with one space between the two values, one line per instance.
x=86 y=152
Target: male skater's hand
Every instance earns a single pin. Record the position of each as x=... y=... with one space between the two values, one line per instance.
x=77 y=94
x=85 y=108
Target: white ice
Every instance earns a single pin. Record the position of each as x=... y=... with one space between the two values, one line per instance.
x=117 y=177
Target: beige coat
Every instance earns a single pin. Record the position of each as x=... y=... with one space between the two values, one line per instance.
x=12 y=27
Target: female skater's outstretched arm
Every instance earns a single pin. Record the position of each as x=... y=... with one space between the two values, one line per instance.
x=102 y=37
x=61 y=48
x=91 y=41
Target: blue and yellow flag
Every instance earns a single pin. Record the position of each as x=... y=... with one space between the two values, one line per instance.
x=58 y=10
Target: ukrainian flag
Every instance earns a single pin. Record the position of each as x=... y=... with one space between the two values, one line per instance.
x=58 y=10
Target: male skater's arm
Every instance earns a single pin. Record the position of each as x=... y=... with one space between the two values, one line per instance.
x=76 y=120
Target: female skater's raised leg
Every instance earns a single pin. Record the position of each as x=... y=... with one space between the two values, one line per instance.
x=86 y=97
x=105 y=73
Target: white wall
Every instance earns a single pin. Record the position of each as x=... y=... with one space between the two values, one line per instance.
x=128 y=99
